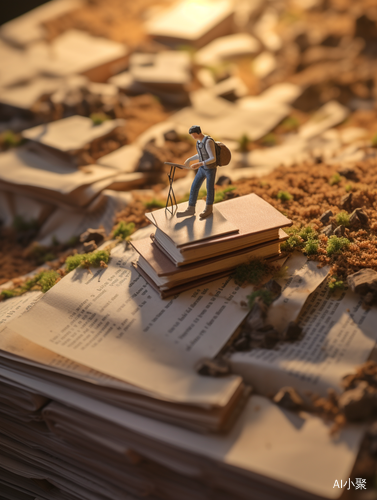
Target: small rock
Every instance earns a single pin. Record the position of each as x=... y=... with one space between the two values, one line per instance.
x=218 y=367
x=171 y=135
x=149 y=162
x=369 y=298
x=346 y=201
x=274 y=287
x=327 y=231
x=288 y=398
x=97 y=235
x=363 y=281
x=255 y=318
x=242 y=344
x=90 y=246
x=293 y=331
x=358 y=403
x=271 y=337
x=358 y=216
x=223 y=180
x=339 y=231
x=325 y=217
x=349 y=173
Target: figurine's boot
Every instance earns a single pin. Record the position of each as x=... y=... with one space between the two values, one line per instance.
x=206 y=212
x=186 y=213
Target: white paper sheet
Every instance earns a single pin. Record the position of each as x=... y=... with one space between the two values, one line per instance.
x=114 y=322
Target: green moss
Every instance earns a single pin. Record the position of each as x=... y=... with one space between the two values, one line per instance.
x=243 y=143
x=47 y=280
x=343 y=218
x=20 y=224
x=72 y=242
x=335 y=179
x=154 y=204
x=263 y=293
x=221 y=195
x=269 y=140
x=294 y=242
x=40 y=253
x=8 y=294
x=42 y=281
x=311 y=247
x=336 y=245
x=98 y=118
x=335 y=283
x=202 y=194
x=253 y=272
x=10 y=139
x=290 y=124
x=87 y=260
x=304 y=238
x=374 y=141
x=348 y=188
x=124 y=230
x=54 y=241
x=284 y=196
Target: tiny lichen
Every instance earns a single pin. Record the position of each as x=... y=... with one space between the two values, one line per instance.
x=284 y=196
x=336 y=245
x=263 y=293
x=98 y=118
x=343 y=219
x=87 y=260
x=42 y=281
x=335 y=284
x=335 y=179
x=123 y=230
x=311 y=247
x=243 y=143
x=154 y=203
x=252 y=272
x=221 y=195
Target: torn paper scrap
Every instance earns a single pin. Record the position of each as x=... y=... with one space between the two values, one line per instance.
x=192 y=21
x=303 y=277
x=331 y=114
x=70 y=133
x=29 y=28
x=62 y=225
x=338 y=334
x=227 y=47
x=78 y=52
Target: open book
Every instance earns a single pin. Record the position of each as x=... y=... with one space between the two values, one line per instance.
x=105 y=338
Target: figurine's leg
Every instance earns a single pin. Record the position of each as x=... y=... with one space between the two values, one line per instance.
x=196 y=185
x=211 y=177
x=194 y=191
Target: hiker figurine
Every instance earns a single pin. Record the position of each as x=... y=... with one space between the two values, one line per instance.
x=210 y=155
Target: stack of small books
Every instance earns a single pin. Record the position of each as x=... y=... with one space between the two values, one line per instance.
x=187 y=252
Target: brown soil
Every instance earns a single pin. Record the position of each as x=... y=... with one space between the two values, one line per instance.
x=309 y=184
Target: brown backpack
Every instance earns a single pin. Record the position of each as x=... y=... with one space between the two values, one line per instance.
x=223 y=154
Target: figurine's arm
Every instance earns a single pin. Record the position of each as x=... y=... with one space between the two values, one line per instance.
x=192 y=158
x=210 y=147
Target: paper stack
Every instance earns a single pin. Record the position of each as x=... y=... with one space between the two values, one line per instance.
x=187 y=252
x=100 y=400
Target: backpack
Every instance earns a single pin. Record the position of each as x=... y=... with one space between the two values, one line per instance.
x=223 y=154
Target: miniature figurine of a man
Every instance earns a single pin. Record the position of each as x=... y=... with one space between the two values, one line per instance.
x=207 y=167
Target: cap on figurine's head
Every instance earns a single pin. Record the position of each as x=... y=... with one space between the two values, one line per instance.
x=195 y=129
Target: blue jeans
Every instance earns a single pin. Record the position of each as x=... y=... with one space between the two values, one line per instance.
x=202 y=173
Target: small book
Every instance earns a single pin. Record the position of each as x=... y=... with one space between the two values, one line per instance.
x=186 y=230
x=257 y=222
x=166 y=276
